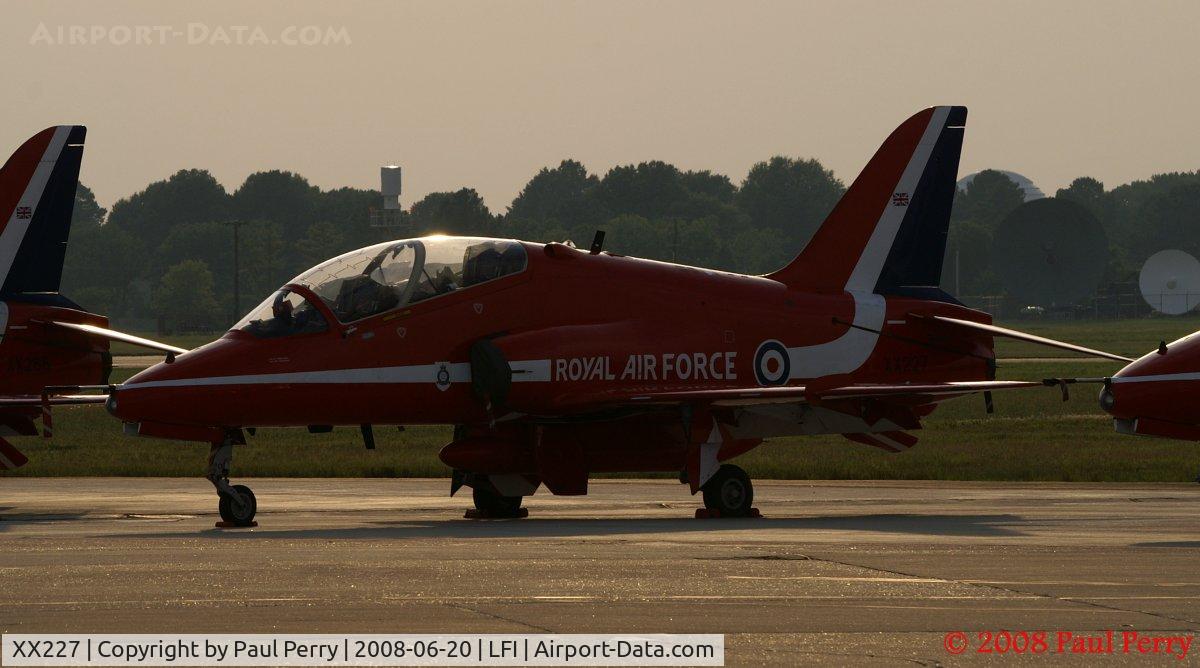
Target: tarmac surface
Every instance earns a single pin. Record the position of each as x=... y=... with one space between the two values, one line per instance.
x=835 y=573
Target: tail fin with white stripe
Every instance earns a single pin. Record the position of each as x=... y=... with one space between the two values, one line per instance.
x=37 y=196
x=887 y=234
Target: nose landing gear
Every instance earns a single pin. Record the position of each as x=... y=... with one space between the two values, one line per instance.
x=729 y=493
x=237 y=504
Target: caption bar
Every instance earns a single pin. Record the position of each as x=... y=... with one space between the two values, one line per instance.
x=196 y=649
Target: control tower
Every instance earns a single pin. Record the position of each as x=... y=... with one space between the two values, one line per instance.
x=390 y=214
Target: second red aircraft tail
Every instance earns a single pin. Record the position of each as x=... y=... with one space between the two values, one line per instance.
x=37 y=195
x=887 y=235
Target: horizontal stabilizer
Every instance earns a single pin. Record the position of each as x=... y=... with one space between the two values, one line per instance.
x=1021 y=336
x=114 y=335
x=29 y=400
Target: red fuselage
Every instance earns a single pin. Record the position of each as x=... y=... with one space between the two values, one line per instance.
x=34 y=355
x=1159 y=393
x=576 y=328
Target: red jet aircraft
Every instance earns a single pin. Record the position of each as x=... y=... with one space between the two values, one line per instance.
x=557 y=363
x=45 y=338
x=1157 y=395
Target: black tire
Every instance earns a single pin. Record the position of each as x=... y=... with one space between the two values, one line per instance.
x=729 y=492
x=494 y=504
x=239 y=514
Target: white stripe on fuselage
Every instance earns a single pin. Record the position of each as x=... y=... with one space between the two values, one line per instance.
x=1193 y=375
x=459 y=372
x=14 y=231
x=852 y=349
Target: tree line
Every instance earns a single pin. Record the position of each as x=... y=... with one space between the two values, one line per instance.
x=164 y=256
x=1138 y=218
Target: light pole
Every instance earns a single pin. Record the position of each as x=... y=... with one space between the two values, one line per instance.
x=237 y=292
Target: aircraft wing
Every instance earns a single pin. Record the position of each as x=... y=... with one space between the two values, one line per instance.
x=113 y=335
x=995 y=330
x=916 y=393
x=887 y=410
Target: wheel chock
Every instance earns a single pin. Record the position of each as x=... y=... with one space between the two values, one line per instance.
x=230 y=525
x=475 y=514
x=713 y=514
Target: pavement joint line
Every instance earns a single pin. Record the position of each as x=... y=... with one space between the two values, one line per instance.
x=463 y=600
x=184 y=601
x=1143 y=598
x=502 y=618
x=1095 y=609
x=866 y=655
x=926 y=580
x=706 y=597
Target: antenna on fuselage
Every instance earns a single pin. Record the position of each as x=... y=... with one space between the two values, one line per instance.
x=597 y=243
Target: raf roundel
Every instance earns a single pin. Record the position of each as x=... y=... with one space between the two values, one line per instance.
x=443 y=376
x=772 y=366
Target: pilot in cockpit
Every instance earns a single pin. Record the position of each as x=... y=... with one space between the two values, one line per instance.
x=445 y=281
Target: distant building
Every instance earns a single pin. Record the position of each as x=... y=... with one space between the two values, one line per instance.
x=1031 y=191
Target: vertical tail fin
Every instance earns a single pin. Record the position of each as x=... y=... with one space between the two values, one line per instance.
x=887 y=234
x=37 y=197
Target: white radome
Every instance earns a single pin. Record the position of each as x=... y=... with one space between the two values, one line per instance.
x=1170 y=282
x=1027 y=186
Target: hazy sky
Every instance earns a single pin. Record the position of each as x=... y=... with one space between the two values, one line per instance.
x=484 y=94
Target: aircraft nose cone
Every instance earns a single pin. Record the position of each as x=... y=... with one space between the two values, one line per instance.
x=139 y=398
x=165 y=392
x=1163 y=384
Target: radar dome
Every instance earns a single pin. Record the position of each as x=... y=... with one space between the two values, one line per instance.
x=1031 y=191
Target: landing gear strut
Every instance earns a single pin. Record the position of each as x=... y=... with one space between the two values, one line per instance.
x=729 y=493
x=237 y=504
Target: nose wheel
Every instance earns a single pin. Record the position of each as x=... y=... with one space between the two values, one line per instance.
x=729 y=493
x=238 y=510
x=236 y=503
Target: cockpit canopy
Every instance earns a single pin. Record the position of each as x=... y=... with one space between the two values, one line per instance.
x=386 y=276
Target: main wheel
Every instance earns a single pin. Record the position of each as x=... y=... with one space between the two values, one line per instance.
x=729 y=492
x=239 y=514
x=494 y=504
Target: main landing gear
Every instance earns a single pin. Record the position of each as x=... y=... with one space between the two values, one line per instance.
x=237 y=504
x=729 y=493
x=491 y=504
